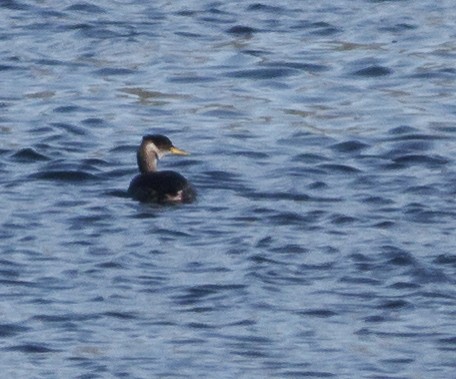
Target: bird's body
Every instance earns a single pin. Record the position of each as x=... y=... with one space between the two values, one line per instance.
x=159 y=186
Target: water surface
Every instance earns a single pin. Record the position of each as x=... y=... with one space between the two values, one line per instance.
x=323 y=141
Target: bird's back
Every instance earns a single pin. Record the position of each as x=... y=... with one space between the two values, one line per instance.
x=161 y=187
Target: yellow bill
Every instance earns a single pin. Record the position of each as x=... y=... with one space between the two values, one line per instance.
x=175 y=150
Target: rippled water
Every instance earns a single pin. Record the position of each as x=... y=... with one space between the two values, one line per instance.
x=322 y=138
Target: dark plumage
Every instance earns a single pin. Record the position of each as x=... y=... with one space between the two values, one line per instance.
x=159 y=186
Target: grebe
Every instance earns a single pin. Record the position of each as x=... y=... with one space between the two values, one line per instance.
x=159 y=186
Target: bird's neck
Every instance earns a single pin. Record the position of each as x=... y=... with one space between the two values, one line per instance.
x=147 y=159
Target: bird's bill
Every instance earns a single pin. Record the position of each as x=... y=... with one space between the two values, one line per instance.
x=175 y=150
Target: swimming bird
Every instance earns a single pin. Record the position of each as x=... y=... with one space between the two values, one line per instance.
x=159 y=186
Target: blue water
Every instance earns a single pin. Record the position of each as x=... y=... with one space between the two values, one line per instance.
x=323 y=137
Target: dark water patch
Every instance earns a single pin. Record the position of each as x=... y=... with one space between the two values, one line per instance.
x=362 y=261
x=224 y=113
x=78 y=221
x=379 y=333
x=20 y=283
x=256 y=53
x=64 y=318
x=94 y=163
x=220 y=18
x=318 y=28
x=278 y=196
x=50 y=13
x=52 y=62
x=11 y=330
x=4 y=67
x=68 y=109
x=114 y=71
x=31 y=348
x=333 y=168
x=422 y=190
x=188 y=35
x=306 y=374
x=240 y=30
x=373 y=71
x=318 y=185
x=249 y=154
x=40 y=95
x=146 y=94
x=200 y=293
x=326 y=31
x=200 y=268
x=341 y=219
x=94 y=121
x=191 y=79
x=70 y=203
x=448 y=344
x=397 y=361
x=377 y=319
x=244 y=322
x=403 y=129
x=82 y=27
x=85 y=8
x=439 y=293
x=319 y=313
x=446 y=259
x=187 y=13
x=264 y=242
x=409 y=160
x=311 y=158
x=152 y=282
x=278 y=276
x=405 y=286
x=262 y=73
x=394 y=304
x=422 y=214
x=200 y=325
x=428 y=274
x=106 y=31
x=427 y=138
x=121 y=148
x=377 y=200
x=352 y=146
x=443 y=128
x=263 y=259
x=360 y=280
x=29 y=155
x=14 y=5
x=170 y=234
x=310 y=67
x=251 y=338
x=200 y=309
x=397 y=257
x=70 y=176
x=10 y=273
x=250 y=353
x=70 y=128
x=121 y=315
x=397 y=28
x=290 y=249
x=448 y=70
x=448 y=73
x=265 y=8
